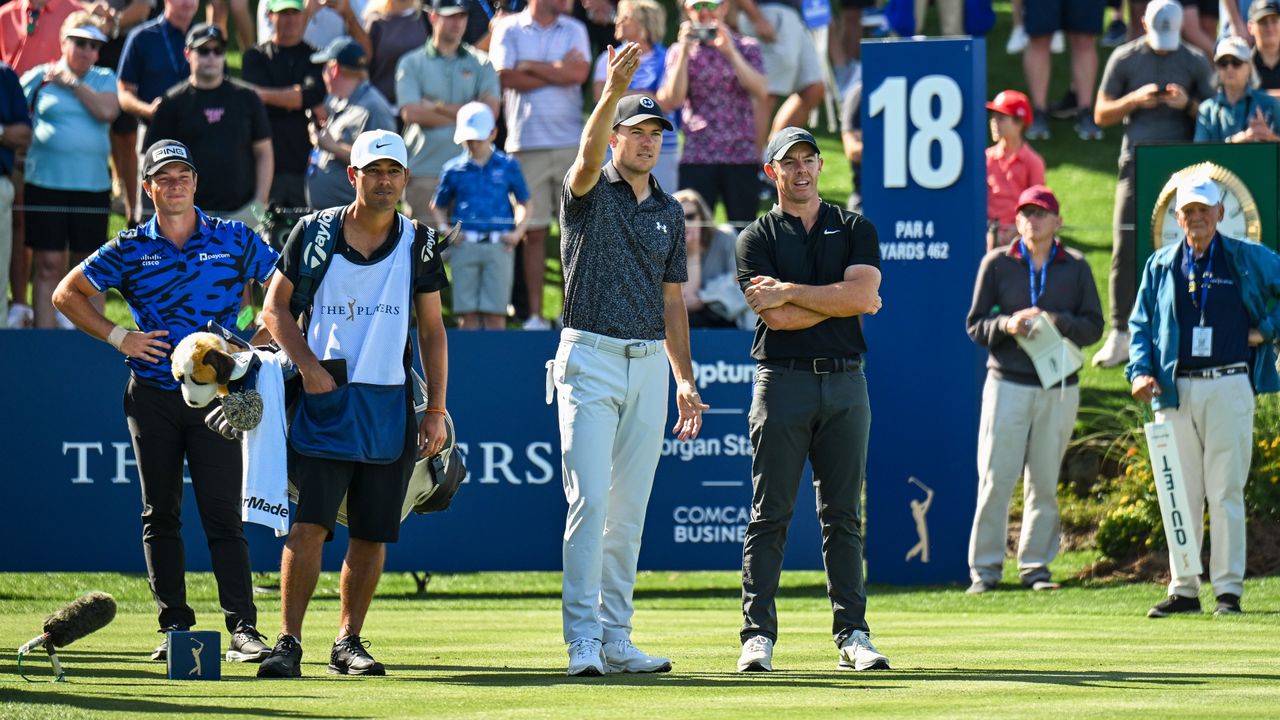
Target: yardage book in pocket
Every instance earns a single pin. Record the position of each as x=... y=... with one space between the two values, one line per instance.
x=1054 y=356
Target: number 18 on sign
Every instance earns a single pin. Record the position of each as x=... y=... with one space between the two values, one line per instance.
x=924 y=188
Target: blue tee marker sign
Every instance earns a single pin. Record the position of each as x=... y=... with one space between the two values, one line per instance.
x=924 y=188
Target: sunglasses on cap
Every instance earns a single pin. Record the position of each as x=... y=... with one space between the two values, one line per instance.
x=1231 y=62
x=699 y=7
x=86 y=44
x=208 y=50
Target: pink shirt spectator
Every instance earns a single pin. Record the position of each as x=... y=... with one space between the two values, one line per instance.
x=1007 y=176
x=717 y=117
x=22 y=51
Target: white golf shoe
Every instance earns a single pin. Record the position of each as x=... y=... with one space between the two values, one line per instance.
x=620 y=656
x=1114 y=351
x=857 y=653
x=1018 y=40
x=757 y=655
x=585 y=658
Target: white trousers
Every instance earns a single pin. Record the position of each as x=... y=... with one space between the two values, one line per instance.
x=1213 y=424
x=612 y=411
x=1023 y=431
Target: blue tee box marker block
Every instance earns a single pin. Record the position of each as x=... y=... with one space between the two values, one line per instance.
x=195 y=655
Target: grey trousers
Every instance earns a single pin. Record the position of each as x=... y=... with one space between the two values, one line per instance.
x=795 y=415
x=1123 y=283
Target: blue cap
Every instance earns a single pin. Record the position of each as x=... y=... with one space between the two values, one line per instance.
x=346 y=52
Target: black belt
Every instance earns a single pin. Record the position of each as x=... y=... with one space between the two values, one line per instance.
x=1214 y=373
x=817 y=366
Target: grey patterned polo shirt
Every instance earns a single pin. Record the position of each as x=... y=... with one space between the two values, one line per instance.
x=616 y=255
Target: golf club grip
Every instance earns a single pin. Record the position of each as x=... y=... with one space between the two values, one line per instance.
x=33 y=643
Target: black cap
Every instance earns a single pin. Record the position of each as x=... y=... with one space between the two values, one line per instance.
x=1262 y=8
x=346 y=52
x=448 y=7
x=782 y=141
x=202 y=33
x=162 y=153
x=634 y=109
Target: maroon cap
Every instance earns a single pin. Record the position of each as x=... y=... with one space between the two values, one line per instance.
x=1040 y=196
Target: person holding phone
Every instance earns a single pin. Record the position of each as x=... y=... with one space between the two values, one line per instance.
x=1153 y=85
x=1240 y=112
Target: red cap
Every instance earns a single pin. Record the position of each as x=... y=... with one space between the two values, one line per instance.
x=1013 y=104
x=1040 y=196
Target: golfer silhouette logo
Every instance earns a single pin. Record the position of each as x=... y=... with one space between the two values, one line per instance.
x=919 y=511
x=195 y=655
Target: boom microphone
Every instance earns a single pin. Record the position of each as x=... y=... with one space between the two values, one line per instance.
x=83 y=616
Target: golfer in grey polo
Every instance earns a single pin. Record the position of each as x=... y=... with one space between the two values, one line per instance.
x=623 y=254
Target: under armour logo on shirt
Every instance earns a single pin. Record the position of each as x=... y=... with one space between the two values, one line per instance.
x=660 y=226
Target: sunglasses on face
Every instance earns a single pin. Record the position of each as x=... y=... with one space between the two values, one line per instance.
x=207 y=51
x=1228 y=62
x=87 y=44
x=691 y=216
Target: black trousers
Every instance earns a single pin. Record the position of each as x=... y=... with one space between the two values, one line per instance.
x=797 y=415
x=164 y=430
x=738 y=186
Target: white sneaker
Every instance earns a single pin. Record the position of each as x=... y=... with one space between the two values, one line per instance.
x=1058 y=43
x=1018 y=40
x=1114 y=351
x=757 y=655
x=585 y=658
x=21 y=316
x=536 y=322
x=857 y=653
x=622 y=656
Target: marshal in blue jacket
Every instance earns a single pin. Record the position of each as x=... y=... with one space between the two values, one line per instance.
x=1153 y=325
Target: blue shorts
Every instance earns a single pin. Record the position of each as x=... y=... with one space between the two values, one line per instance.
x=1045 y=17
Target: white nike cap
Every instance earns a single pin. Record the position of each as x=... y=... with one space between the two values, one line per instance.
x=378 y=145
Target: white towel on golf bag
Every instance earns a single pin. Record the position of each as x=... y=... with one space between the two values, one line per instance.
x=264 y=452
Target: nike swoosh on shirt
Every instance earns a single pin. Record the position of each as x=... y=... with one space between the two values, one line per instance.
x=830 y=232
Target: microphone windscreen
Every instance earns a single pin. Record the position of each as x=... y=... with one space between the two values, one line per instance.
x=86 y=614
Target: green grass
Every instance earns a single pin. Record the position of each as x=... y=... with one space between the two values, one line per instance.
x=488 y=645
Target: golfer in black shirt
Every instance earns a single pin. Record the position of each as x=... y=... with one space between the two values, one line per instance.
x=809 y=268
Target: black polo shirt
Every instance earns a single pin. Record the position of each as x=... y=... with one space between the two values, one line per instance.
x=777 y=246
x=1270 y=76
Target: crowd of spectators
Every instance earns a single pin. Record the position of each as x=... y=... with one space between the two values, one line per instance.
x=87 y=84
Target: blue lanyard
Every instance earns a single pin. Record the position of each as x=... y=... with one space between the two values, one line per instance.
x=1031 y=270
x=1199 y=290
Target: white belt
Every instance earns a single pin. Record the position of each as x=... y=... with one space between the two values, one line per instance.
x=471 y=236
x=630 y=349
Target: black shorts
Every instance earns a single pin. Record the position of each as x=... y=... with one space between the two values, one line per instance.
x=62 y=219
x=1045 y=17
x=857 y=4
x=1207 y=8
x=375 y=493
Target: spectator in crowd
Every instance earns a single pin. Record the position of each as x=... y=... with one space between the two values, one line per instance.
x=1025 y=426
x=475 y=189
x=1018 y=38
x=152 y=62
x=123 y=16
x=327 y=20
x=793 y=72
x=1153 y=85
x=354 y=106
x=216 y=14
x=433 y=82
x=846 y=47
x=711 y=293
x=30 y=35
x=290 y=85
x=1081 y=20
x=1239 y=112
x=15 y=135
x=542 y=57
x=1012 y=166
x=1264 y=27
x=851 y=139
x=1200 y=24
x=716 y=78
x=31 y=31
x=950 y=16
x=598 y=16
x=1204 y=331
x=68 y=182
x=396 y=27
x=225 y=126
x=645 y=22
x=171 y=297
